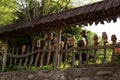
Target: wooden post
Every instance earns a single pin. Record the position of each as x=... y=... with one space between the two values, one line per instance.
x=72 y=42
x=113 y=39
x=57 y=53
x=23 y=52
x=84 y=35
x=42 y=56
x=26 y=60
x=15 y=61
x=11 y=59
x=104 y=53
x=81 y=43
x=96 y=43
x=105 y=38
x=38 y=44
x=50 y=36
x=80 y=59
x=66 y=48
x=33 y=46
x=5 y=54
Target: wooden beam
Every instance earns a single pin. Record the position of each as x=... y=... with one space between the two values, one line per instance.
x=5 y=54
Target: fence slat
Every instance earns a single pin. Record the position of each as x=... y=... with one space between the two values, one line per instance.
x=80 y=59
x=42 y=57
x=15 y=61
x=33 y=46
x=104 y=54
x=73 y=58
x=49 y=53
x=26 y=59
x=87 y=56
x=11 y=59
x=66 y=54
x=37 y=58
x=95 y=57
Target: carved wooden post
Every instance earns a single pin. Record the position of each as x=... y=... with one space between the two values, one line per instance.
x=5 y=54
x=84 y=35
x=96 y=43
x=43 y=45
x=72 y=42
x=105 y=38
x=80 y=44
x=15 y=61
x=33 y=46
x=26 y=60
x=11 y=59
x=38 y=44
x=50 y=37
x=23 y=51
x=66 y=40
x=57 y=53
x=113 y=39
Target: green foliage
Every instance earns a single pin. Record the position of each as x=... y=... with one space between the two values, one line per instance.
x=7 y=10
x=76 y=31
x=31 y=9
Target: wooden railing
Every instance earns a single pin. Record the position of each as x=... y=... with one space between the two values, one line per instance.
x=41 y=56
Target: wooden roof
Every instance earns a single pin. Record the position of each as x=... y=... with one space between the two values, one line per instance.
x=106 y=10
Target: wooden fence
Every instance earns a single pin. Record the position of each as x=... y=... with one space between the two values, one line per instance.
x=42 y=57
x=68 y=55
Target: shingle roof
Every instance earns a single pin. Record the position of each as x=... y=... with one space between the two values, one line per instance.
x=106 y=10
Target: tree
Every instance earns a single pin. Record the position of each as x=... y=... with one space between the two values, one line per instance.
x=7 y=10
x=31 y=9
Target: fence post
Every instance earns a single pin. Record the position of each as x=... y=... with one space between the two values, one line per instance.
x=5 y=54
x=57 y=52
x=84 y=35
x=96 y=43
x=50 y=37
x=66 y=48
x=105 y=38
x=72 y=42
x=113 y=39
x=33 y=46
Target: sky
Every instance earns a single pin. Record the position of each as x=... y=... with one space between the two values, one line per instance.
x=109 y=28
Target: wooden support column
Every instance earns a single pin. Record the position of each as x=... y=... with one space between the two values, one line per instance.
x=57 y=53
x=5 y=54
